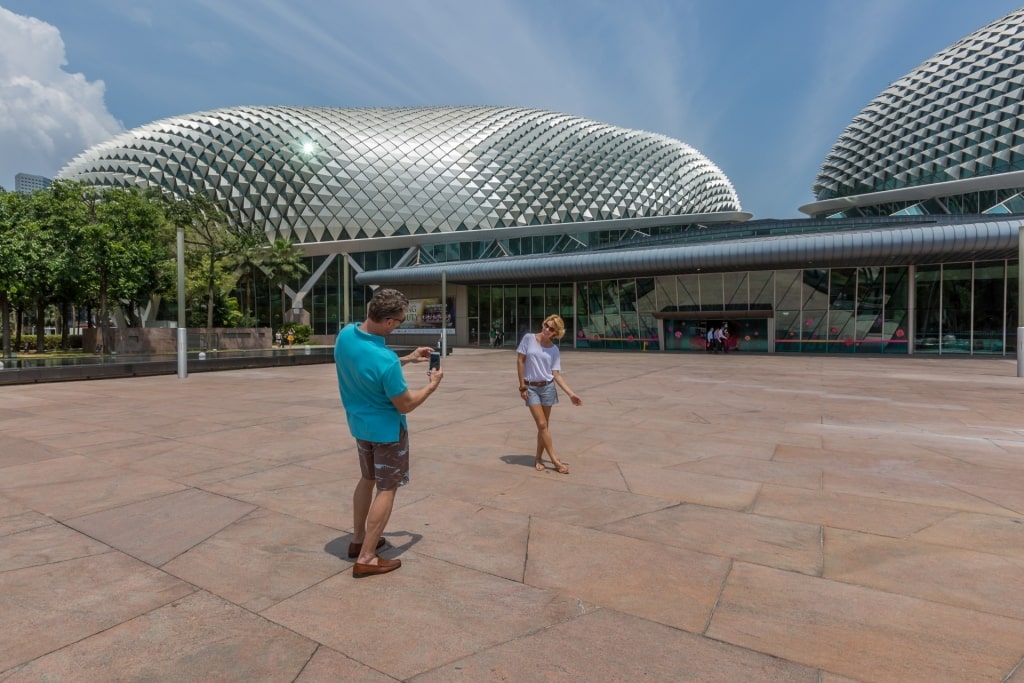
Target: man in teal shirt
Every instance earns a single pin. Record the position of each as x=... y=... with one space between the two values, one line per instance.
x=376 y=399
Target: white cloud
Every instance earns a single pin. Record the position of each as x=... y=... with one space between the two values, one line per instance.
x=47 y=115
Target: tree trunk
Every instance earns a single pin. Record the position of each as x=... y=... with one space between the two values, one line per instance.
x=104 y=322
x=248 y=300
x=5 y=325
x=40 y=327
x=283 y=296
x=18 y=322
x=65 y=344
x=209 y=309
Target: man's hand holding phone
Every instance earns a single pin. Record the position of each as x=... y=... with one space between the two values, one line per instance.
x=435 y=373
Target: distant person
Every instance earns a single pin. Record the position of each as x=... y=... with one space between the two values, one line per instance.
x=376 y=398
x=539 y=365
x=279 y=339
x=291 y=337
x=709 y=344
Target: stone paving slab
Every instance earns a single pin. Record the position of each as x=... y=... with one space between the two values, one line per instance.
x=867 y=634
x=161 y=528
x=198 y=638
x=727 y=518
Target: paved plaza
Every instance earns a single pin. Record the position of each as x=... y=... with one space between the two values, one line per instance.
x=727 y=518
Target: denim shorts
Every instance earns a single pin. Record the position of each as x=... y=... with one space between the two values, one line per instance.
x=546 y=395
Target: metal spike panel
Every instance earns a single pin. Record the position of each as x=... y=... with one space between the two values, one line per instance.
x=319 y=174
x=958 y=115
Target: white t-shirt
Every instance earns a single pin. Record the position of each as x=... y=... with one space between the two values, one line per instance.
x=541 y=361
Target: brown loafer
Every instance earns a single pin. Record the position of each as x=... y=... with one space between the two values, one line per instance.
x=354 y=548
x=383 y=566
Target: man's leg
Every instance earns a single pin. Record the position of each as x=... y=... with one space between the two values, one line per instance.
x=376 y=520
x=361 y=499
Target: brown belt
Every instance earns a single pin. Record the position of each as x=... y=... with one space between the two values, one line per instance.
x=538 y=384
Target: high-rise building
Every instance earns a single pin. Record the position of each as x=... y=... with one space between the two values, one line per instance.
x=28 y=183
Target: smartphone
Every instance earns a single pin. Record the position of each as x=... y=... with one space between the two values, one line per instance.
x=435 y=360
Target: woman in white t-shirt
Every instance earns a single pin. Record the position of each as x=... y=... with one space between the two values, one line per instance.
x=538 y=363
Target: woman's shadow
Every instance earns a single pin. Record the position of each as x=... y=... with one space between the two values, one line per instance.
x=524 y=460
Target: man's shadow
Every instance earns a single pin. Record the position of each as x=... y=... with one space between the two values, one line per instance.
x=339 y=546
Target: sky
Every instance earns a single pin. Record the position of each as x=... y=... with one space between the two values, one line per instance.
x=763 y=88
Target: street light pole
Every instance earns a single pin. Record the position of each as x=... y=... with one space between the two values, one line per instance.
x=1020 y=300
x=444 y=314
x=182 y=331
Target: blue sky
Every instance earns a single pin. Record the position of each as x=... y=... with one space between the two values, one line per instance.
x=761 y=88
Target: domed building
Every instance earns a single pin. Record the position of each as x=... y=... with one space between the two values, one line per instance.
x=496 y=217
x=384 y=187
x=318 y=175
x=945 y=138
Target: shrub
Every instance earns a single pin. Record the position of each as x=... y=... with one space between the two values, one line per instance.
x=302 y=333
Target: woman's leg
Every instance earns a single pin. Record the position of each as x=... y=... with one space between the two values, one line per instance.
x=542 y=416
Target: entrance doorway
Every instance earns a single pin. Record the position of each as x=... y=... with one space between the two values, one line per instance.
x=747 y=330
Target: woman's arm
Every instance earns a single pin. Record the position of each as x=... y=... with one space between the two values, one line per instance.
x=521 y=369
x=576 y=400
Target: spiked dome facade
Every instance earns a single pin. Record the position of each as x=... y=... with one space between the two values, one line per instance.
x=321 y=174
x=954 y=125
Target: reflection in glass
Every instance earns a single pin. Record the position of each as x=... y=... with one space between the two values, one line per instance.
x=711 y=297
x=956 y=308
x=735 y=291
x=989 y=303
x=928 y=295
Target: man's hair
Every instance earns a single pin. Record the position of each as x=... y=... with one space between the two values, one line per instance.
x=386 y=303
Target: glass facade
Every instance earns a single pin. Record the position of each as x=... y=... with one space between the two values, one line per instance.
x=953 y=308
x=967 y=308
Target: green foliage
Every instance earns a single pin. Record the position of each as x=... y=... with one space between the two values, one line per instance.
x=73 y=244
x=283 y=263
x=302 y=332
x=218 y=254
x=52 y=342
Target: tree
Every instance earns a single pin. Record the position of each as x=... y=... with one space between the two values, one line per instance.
x=14 y=218
x=283 y=263
x=126 y=246
x=245 y=262
x=62 y=218
x=44 y=256
x=208 y=234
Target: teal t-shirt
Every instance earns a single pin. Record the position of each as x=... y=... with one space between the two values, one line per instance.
x=369 y=376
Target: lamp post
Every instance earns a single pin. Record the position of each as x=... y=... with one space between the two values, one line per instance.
x=182 y=331
x=1020 y=300
x=346 y=293
x=444 y=314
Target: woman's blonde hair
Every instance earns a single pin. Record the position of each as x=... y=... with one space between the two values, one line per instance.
x=556 y=323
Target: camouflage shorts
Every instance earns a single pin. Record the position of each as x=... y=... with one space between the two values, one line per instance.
x=387 y=463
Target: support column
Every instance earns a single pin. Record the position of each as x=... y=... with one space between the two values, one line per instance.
x=182 y=330
x=1020 y=300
